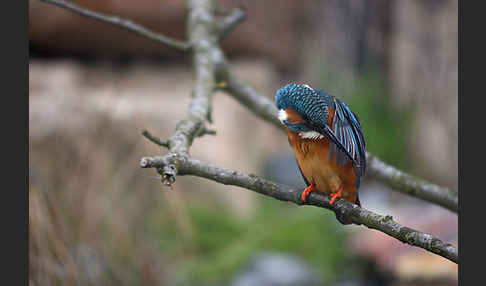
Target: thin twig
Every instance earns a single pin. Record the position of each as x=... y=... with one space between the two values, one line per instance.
x=122 y=23
x=205 y=131
x=189 y=166
x=155 y=139
x=229 y=22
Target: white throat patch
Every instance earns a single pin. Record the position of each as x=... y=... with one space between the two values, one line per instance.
x=282 y=115
x=311 y=135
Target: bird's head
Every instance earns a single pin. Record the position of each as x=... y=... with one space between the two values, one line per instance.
x=297 y=102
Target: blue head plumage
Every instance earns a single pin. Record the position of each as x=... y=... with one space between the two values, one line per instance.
x=309 y=103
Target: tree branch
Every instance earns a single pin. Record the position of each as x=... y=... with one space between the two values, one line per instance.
x=249 y=97
x=122 y=23
x=206 y=54
x=358 y=215
x=411 y=185
x=394 y=178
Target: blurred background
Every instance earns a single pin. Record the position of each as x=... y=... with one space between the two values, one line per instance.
x=97 y=218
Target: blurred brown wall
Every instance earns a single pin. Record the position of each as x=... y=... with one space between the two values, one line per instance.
x=271 y=35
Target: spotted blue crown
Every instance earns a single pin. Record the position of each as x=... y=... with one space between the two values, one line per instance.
x=306 y=101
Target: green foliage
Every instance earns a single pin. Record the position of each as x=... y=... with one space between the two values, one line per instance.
x=222 y=243
x=309 y=232
x=386 y=129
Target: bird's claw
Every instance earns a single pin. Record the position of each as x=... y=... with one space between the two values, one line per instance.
x=306 y=192
x=336 y=195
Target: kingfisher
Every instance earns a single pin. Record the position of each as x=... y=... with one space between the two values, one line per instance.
x=327 y=141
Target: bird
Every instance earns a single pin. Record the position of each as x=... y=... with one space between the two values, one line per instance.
x=327 y=141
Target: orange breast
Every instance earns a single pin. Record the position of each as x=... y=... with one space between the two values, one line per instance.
x=313 y=158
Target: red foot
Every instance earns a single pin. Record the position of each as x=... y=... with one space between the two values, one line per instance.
x=336 y=195
x=307 y=191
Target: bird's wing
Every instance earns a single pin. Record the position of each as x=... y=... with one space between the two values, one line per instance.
x=345 y=133
x=346 y=127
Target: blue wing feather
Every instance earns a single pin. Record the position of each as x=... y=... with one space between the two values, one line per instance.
x=348 y=126
x=346 y=134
